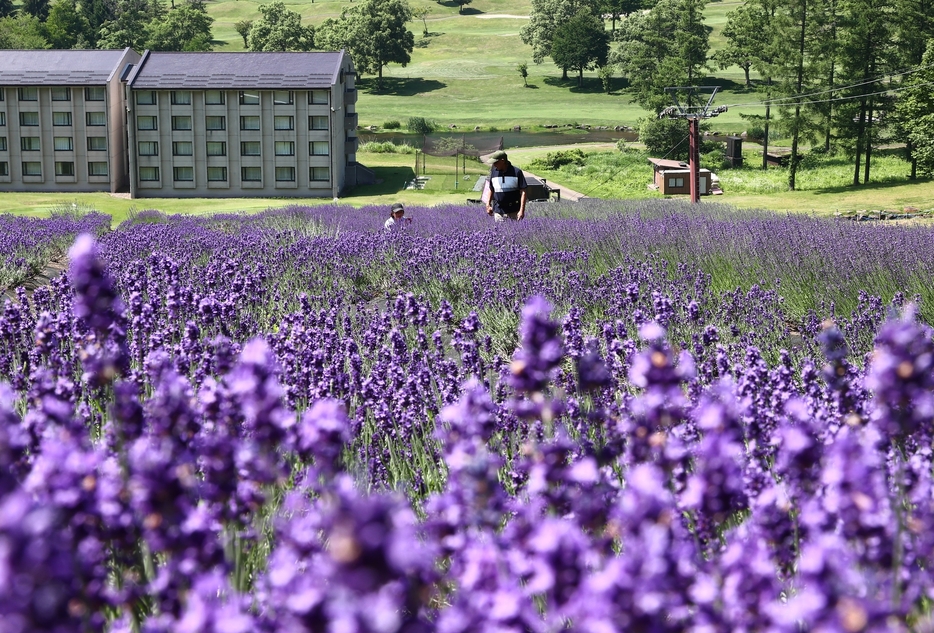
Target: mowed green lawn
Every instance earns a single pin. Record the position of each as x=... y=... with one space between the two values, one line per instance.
x=464 y=72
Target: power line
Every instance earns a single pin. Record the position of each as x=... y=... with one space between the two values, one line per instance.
x=849 y=98
x=778 y=100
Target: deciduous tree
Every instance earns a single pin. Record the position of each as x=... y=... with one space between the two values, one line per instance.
x=665 y=47
x=65 y=25
x=745 y=36
x=128 y=28
x=544 y=19
x=374 y=32
x=280 y=29
x=22 y=31
x=185 y=28
x=243 y=28
x=581 y=43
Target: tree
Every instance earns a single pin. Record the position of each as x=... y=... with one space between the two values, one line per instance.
x=666 y=138
x=243 y=28
x=186 y=28
x=581 y=44
x=618 y=9
x=461 y=4
x=96 y=12
x=606 y=77
x=7 y=8
x=745 y=37
x=22 y=31
x=37 y=8
x=280 y=29
x=544 y=18
x=665 y=47
x=128 y=28
x=65 y=26
x=422 y=14
x=915 y=111
x=375 y=34
x=523 y=70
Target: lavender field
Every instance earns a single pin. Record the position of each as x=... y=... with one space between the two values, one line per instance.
x=648 y=417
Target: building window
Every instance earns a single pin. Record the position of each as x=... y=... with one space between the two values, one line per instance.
x=318 y=148
x=2 y=143
x=250 y=148
x=29 y=119
x=146 y=97
x=251 y=174
x=64 y=144
x=97 y=144
x=99 y=168
x=217 y=174
x=181 y=123
x=676 y=182
x=64 y=169
x=98 y=119
x=1 y=94
x=32 y=168
x=146 y=123
x=30 y=93
x=285 y=174
x=181 y=97
x=284 y=122
x=285 y=148
x=319 y=174
x=214 y=97
x=2 y=119
x=181 y=148
x=61 y=118
x=319 y=97
x=215 y=122
x=282 y=97
x=148 y=174
x=249 y=98
x=29 y=143
x=4 y=168
x=61 y=93
x=217 y=148
x=249 y=123
x=317 y=123
x=183 y=174
x=94 y=93
x=148 y=148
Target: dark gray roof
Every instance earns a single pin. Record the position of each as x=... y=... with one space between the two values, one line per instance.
x=165 y=71
x=58 y=67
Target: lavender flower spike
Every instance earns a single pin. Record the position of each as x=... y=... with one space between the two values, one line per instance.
x=542 y=349
x=96 y=301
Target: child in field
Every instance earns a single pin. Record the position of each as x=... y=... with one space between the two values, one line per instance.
x=396 y=216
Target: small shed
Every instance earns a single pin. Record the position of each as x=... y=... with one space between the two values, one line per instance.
x=674 y=177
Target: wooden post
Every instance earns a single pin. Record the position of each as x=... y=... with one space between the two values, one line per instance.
x=694 y=153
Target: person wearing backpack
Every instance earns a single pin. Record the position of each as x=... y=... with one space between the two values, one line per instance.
x=508 y=189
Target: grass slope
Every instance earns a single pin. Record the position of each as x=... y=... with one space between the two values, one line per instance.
x=464 y=72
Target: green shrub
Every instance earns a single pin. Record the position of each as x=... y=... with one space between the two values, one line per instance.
x=386 y=147
x=420 y=125
x=392 y=125
x=556 y=160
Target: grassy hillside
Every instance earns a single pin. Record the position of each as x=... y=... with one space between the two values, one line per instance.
x=464 y=72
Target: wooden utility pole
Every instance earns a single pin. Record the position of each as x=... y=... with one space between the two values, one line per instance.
x=693 y=114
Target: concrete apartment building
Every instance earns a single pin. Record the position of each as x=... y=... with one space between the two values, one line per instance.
x=242 y=124
x=62 y=120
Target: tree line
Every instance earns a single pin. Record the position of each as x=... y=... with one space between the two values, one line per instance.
x=373 y=31
x=845 y=75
